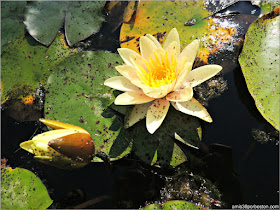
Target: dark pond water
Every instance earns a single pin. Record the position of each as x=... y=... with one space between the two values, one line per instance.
x=246 y=167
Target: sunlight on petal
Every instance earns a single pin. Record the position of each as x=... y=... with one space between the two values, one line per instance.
x=147 y=47
x=154 y=40
x=138 y=113
x=156 y=114
x=201 y=74
x=183 y=74
x=172 y=51
x=130 y=98
x=189 y=53
x=125 y=53
x=121 y=83
x=194 y=108
x=172 y=36
x=127 y=71
x=180 y=95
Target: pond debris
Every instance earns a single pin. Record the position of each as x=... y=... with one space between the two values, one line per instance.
x=191 y=187
x=265 y=136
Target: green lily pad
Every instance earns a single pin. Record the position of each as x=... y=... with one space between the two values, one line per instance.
x=191 y=20
x=25 y=65
x=159 y=149
x=173 y=204
x=11 y=20
x=266 y=5
x=22 y=189
x=259 y=62
x=81 y=19
x=76 y=95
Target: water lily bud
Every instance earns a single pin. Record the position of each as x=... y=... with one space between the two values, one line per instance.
x=67 y=146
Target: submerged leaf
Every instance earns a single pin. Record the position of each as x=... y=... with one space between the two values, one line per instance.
x=259 y=61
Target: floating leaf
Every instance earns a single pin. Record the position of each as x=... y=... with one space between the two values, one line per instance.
x=76 y=95
x=22 y=189
x=259 y=61
x=27 y=64
x=266 y=5
x=11 y=20
x=159 y=149
x=174 y=204
x=190 y=19
x=43 y=19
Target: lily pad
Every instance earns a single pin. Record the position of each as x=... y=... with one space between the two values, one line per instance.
x=192 y=20
x=11 y=20
x=266 y=5
x=25 y=65
x=173 y=204
x=259 y=62
x=159 y=149
x=76 y=95
x=81 y=19
x=22 y=189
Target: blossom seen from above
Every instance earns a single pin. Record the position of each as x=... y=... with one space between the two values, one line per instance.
x=160 y=76
x=67 y=146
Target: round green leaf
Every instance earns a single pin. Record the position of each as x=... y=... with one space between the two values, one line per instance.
x=22 y=189
x=11 y=20
x=43 y=19
x=259 y=62
x=25 y=65
x=159 y=148
x=76 y=95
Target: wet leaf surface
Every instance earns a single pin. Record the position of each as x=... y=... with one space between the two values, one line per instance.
x=25 y=65
x=22 y=189
x=80 y=19
x=76 y=95
x=259 y=61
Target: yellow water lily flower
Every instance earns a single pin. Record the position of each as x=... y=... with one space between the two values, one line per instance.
x=67 y=146
x=158 y=77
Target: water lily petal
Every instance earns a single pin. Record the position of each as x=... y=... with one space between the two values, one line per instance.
x=133 y=97
x=189 y=53
x=158 y=92
x=138 y=113
x=61 y=125
x=180 y=95
x=127 y=71
x=121 y=83
x=138 y=61
x=125 y=53
x=158 y=45
x=147 y=47
x=183 y=74
x=172 y=51
x=201 y=74
x=172 y=36
x=194 y=108
x=156 y=114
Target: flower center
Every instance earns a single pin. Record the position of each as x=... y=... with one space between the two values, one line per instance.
x=160 y=71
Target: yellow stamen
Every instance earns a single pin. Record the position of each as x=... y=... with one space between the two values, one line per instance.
x=160 y=71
